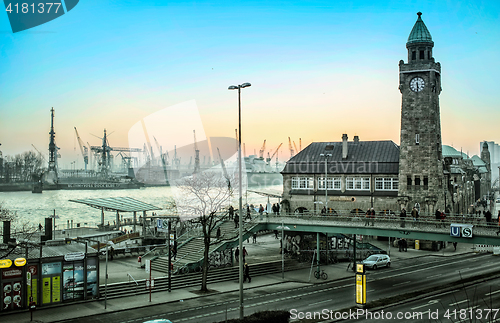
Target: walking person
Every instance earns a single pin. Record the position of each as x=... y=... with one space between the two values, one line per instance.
x=277 y=209
x=400 y=245
x=275 y=212
x=414 y=214
x=245 y=253
x=261 y=210
x=249 y=217
x=402 y=217
x=438 y=217
x=231 y=212
x=455 y=245
x=247 y=274
x=405 y=245
x=488 y=216
x=367 y=217
x=236 y=221
x=237 y=254
x=372 y=216
x=254 y=237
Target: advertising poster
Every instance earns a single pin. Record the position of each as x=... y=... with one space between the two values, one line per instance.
x=73 y=284
x=92 y=286
x=6 y=296
x=47 y=288
x=56 y=289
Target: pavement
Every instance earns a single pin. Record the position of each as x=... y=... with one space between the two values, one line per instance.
x=121 y=269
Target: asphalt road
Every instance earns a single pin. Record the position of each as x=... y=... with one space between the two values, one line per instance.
x=304 y=300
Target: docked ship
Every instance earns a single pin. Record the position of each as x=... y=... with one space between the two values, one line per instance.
x=260 y=172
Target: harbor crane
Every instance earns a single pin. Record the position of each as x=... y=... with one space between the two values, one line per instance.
x=163 y=161
x=196 y=156
x=292 y=152
x=294 y=145
x=83 y=149
x=226 y=175
x=275 y=152
x=38 y=151
x=261 y=151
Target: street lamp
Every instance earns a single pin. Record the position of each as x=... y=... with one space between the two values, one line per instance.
x=326 y=176
x=240 y=212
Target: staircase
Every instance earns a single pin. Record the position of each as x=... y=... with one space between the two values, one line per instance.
x=215 y=275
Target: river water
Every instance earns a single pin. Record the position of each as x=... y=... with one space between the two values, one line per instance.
x=36 y=207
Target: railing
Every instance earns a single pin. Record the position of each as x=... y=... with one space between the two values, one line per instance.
x=423 y=223
x=129 y=277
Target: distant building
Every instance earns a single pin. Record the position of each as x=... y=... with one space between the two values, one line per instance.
x=360 y=175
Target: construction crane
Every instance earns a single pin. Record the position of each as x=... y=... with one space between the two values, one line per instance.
x=294 y=145
x=226 y=175
x=300 y=144
x=83 y=149
x=262 y=149
x=196 y=155
x=292 y=152
x=38 y=151
x=275 y=152
x=163 y=162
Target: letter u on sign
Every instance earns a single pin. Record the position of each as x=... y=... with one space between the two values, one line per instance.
x=455 y=231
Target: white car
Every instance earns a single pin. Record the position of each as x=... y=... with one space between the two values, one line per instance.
x=377 y=261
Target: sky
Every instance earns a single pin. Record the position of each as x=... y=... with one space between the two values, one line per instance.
x=318 y=69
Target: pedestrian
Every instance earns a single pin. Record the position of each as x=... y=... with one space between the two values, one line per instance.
x=275 y=234
x=488 y=216
x=39 y=227
x=236 y=221
x=261 y=210
x=438 y=217
x=402 y=217
x=277 y=209
x=255 y=237
x=323 y=210
x=372 y=216
x=455 y=245
x=247 y=274
x=249 y=217
x=367 y=217
x=405 y=245
x=111 y=253
x=218 y=233
x=237 y=254
x=414 y=214
x=400 y=245
x=245 y=253
x=231 y=212
x=275 y=212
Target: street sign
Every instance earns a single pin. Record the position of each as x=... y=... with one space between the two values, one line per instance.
x=28 y=278
x=5 y=263
x=19 y=262
x=458 y=230
x=148 y=265
x=360 y=289
x=74 y=256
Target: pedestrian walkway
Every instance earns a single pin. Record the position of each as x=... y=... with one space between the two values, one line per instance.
x=265 y=249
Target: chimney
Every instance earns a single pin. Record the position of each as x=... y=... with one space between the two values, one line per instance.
x=344 y=146
x=356 y=139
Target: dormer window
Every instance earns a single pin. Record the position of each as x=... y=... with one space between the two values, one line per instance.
x=413 y=55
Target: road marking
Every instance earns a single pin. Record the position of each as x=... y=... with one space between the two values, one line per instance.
x=435 y=276
x=328 y=300
x=489 y=294
x=456 y=303
x=429 y=303
x=403 y=283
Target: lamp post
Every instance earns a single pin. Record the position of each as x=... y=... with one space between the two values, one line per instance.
x=240 y=212
x=326 y=181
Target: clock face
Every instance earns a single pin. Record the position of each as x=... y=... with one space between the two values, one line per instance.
x=417 y=84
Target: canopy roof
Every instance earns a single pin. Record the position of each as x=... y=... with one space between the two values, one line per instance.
x=120 y=204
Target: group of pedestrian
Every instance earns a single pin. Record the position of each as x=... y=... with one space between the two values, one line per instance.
x=440 y=217
x=370 y=217
x=276 y=208
x=237 y=254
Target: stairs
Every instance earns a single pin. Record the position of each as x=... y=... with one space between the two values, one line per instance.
x=215 y=275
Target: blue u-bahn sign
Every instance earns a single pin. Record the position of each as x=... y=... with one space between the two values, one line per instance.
x=461 y=230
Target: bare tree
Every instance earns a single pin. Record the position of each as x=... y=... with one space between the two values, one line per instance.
x=21 y=229
x=203 y=198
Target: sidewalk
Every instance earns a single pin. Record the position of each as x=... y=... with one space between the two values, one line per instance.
x=266 y=249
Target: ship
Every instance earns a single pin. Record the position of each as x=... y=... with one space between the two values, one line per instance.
x=260 y=172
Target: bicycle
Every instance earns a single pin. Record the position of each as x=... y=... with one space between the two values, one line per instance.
x=321 y=274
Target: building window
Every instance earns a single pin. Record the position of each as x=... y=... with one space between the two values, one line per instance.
x=429 y=54
x=386 y=184
x=358 y=183
x=413 y=55
x=417 y=138
x=333 y=183
x=417 y=180
x=408 y=181
x=422 y=54
x=301 y=183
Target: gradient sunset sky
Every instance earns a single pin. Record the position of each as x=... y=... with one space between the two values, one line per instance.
x=318 y=69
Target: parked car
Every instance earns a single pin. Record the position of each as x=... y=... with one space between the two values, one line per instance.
x=377 y=261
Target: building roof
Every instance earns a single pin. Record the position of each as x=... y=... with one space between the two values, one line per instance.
x=419 y=33
x=363 y=157
x=449 y=151
x=120 y=204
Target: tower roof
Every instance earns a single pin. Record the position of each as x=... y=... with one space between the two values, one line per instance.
x=419 y=33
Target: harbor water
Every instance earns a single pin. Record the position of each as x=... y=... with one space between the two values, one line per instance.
x=36 y=207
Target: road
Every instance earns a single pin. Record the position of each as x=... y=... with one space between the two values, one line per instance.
x=403 y=277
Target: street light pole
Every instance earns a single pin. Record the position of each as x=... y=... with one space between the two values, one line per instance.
x=240 y=212
x=326 y=176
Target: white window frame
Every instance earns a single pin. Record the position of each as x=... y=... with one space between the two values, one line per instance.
x=331 y=183
x=302 y=183
x=386 y=183
x=357 y=183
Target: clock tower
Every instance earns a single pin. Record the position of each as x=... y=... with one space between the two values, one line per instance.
x=421 y=179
